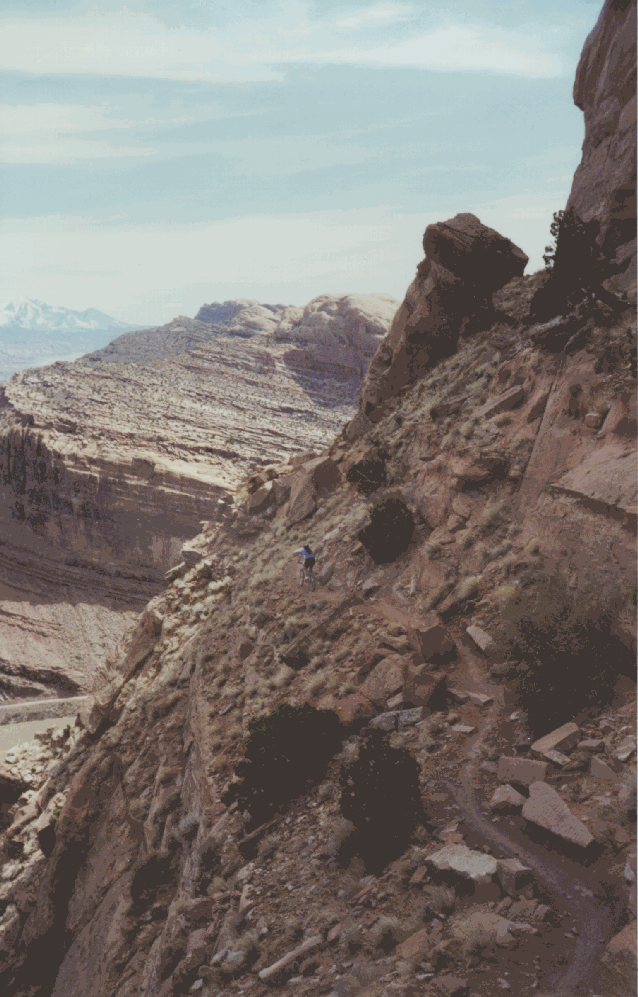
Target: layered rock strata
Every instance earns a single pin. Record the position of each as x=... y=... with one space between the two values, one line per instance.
x=110 y=464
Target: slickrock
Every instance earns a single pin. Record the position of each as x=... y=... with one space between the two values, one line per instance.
x=601 y=770
x=547 y=809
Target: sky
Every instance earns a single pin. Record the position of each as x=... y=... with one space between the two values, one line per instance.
x=161 y=155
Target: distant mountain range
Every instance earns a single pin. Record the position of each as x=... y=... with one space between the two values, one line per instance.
x=33 y=334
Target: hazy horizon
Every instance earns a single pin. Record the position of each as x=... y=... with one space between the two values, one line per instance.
x=181 y=153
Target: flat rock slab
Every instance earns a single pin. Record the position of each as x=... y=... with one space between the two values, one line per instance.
x=506 y=798
x=502 y=403
x=557 y=758
x=625 y=750
x=546 y=809
x=480 y=698
x=562 y=739
x=601 y=770
x=483 y=640
x=477 y=866
x=523 y=771
x=463 y=729
x=384 y=680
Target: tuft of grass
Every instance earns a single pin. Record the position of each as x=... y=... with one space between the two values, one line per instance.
x=431 y=548
x=468 y=587
x=467 y=538
x=389 y=931
x=317 y=682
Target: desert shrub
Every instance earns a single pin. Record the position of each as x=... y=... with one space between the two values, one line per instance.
x=380 y=794
x=286 y=751
x=565 y=641
x=369 y=473
x=151 y=875
x=576 y=267
x=476 y=931
x=389 y=529
x=389 y=931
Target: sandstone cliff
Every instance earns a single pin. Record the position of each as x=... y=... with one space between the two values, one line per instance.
x=604 y=186
x=417 y=777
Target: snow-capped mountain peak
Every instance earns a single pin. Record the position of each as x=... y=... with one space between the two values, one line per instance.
x=29 y=314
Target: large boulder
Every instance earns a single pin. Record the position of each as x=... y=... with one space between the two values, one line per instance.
x=482 y=258
x=604 y=186
x=303 y=501
x=451 y=294
x=546 y=809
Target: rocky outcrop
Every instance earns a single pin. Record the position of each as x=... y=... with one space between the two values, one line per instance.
x=465 y=262
x=604 y=186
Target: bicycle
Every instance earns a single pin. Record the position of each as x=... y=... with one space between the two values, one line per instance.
x=307 y=576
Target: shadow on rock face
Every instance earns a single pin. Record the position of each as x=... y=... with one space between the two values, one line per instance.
x=389 y=530
x=286 y=751
x=380 y=795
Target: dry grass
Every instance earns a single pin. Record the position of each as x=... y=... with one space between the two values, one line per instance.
x=468 y=587
x=282 y=677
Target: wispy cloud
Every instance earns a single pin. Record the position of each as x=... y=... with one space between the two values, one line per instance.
x=379 y=15
x=135 y=44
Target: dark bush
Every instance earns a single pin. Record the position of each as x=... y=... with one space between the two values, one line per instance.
x=286 y=752
x=389 y=530
x=570 y=659
x=369 y=473
x=380 y=794
x=577 y=267
x=151 y=875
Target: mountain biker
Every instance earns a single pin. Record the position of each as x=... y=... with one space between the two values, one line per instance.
x=308 y=558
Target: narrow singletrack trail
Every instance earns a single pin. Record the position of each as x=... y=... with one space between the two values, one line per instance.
x=573 y=886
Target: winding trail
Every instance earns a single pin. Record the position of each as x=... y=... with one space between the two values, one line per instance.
x=593 y=915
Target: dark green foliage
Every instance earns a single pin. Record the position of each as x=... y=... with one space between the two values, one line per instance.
x=550 y=251
x=286 y=751
x=570 y=659
x=369 y=473
x=577 y=267
x=380 y=794
x=389 y=530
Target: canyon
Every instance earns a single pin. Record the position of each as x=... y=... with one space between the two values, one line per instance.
x=110 y=464
x=418 y=776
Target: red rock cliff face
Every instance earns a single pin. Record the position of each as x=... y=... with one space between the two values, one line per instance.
x=604 y=184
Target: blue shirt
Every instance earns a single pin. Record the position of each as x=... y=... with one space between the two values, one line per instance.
x=305 y=554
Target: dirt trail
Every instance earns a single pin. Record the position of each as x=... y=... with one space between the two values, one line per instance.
x=573 y=885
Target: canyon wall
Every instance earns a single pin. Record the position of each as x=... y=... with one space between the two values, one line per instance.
x=110 y=464
x=331 y=789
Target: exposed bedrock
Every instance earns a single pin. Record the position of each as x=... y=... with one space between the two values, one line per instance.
x=451 y=295
x=604 y=186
